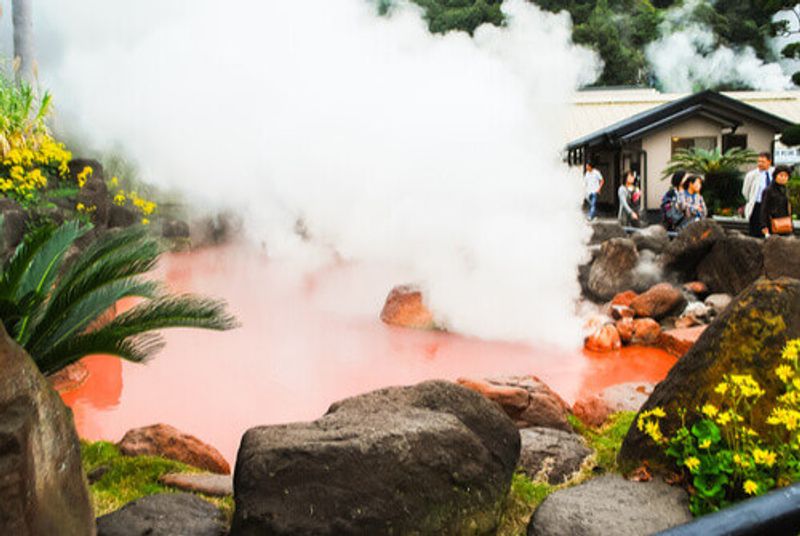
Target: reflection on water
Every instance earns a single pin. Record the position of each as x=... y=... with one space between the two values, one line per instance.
x=305 y=341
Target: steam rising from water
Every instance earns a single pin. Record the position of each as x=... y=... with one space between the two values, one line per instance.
x=436 y=155
x=687 y=57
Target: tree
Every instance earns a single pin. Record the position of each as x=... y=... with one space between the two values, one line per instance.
x=51 y=309
x=22 y=18
x=791 y=136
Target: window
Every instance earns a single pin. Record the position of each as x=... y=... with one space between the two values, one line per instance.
x=729 y=141
x=707 y=142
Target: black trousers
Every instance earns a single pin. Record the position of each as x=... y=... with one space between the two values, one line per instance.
x=755 y=222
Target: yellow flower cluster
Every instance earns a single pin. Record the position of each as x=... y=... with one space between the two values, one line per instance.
x=145 y=207
x=740 y=384
x=792 y=351
x=710 y=410
x=750 y=487
x=788 y=418
x=85 y=209
x=84 y=175
x=647 y=422
x=24 y=161
x=764 y=457
x=691 y=463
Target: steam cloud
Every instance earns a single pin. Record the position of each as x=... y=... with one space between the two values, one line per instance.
x=687 y=57
x=435 y=154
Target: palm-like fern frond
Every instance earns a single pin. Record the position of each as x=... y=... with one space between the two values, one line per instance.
x=705 y=162
x=48 y=308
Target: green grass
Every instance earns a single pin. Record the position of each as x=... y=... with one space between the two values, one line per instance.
x=132 y=477
x=522 y=500
x=606 y=440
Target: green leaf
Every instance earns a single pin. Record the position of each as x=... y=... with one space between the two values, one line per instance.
x=706 y=429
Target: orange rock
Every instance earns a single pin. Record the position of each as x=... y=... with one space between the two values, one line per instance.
x=404 y=307
x=621 y=311
x=625 y=328
x=605 y=339
x=624 y=298
x=679 y=341
x=69 y=378
x=698 y=288
x=508 y=397
x=658 y=301
x=168 y=442
x=646 y=331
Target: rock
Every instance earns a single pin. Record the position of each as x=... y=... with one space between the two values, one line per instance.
x=207 y=483
x=94 y=194
x=735 y=261
x=214 y=230
x=620 y=311
x=434 y=458
x=15 y=223
x=405 y=308
x=97 y=473
x=542 y=407
x=658 y=302
x=605 y=339
x=685 y=252
x=43 y=489
x=624 y=299
x=551 y=455
x=606 y=230
x=165 y=514
x=717 y=303
x=747 y=338
x=645 y=331
x=168 y=442
x=653 y=238
x=782 y=257
x=697 y=310
x=612 y=270
x=596 y=409
x=69 y=378
x=698 y=288
x=678 y=341
x=687 y=321
x=611 y=505
x=625 y=329
x=175 y=229
x=121 y=216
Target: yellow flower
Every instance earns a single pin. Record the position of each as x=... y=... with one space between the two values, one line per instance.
x=114 y=182
x=784 y=372
x=84 y=175
x=709 y=410
x=722 y=388
x=750 y=487
x=724 y=418
x=792 y=350
x=704 y=444
x=740 y=461
x=145 y=221
x=691 y=463
x=80 y=207
x=119 y=199
x=764 y=457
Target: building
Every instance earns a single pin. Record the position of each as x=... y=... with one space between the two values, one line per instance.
x=640 y=129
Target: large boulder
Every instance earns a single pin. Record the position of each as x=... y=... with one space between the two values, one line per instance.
x=693 y=243
x=735 y=261
x=782 y=257
x=611 y=505
x=406 y=308
x=527 y=400
x=434 y=458
x=745 y=339
x=119 y=216
x=612 y=270
x=653 y=238
x=551 y=455
x=658 y=301
x=42 y=486
x=165 y=514
x=168 y=442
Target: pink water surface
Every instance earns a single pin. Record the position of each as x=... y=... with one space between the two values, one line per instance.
x=305 y=342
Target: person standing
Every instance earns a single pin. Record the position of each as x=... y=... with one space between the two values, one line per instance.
x=671 y=213
x=775 y=206
x=691 y=200
x=630 y=200
x=755 y=184
x=594 y=183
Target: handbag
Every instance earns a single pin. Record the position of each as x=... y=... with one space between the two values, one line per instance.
x=782 y=226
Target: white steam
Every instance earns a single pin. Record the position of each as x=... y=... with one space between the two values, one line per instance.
x=687 y=57
x=435 y=154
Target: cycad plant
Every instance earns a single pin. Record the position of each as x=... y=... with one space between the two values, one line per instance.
x=722 y=172
x=49 y=308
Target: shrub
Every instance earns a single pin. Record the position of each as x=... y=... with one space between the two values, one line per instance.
x=721 y=456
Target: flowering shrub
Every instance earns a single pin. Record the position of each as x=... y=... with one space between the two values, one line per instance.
x=722 y=455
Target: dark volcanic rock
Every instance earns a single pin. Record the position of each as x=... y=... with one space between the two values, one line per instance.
x=15 y=222
x=612 y=270
x=42 y=486
x=747 y=338
x=165 y=514
x=605 y=230
x=611 y=505
x=121 y=216
x=782 y=257
x=434 y=458
x=175 y=229
x=653 y=238
x=734 y=262
x=693 y=243
x=551 y=455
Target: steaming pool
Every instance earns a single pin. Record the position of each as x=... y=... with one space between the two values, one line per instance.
x=305 y=342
